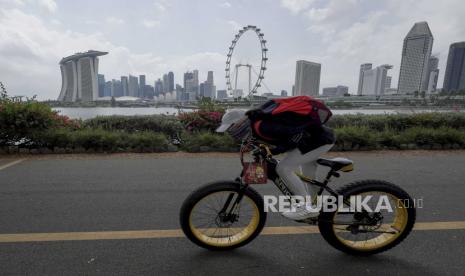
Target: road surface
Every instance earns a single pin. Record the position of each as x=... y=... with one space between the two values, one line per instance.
x=118 y=215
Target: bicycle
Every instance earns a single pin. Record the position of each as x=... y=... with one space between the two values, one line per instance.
x=229 y=214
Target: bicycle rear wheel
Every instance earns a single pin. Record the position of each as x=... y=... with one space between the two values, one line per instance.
x=367 y=233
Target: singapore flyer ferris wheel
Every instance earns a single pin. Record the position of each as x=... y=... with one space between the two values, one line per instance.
x=260 y=75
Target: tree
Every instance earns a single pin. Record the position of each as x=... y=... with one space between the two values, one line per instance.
x=113 y=102
x=3 y=92
x=415 y=94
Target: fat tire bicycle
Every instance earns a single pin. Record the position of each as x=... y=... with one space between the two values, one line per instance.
x=225 y=215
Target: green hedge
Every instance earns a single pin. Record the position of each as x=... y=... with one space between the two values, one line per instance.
x=400 y=122
x=167 y=124
x=356 y=138
x=102 y=140
x=207 y=141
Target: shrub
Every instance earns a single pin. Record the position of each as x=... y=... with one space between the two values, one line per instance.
x=428 y=136
x=166 y=124
x=400 y=122
x=101 y=140
x=206 y=141
x=201 y=120
x=348 y=137
x=20 y=121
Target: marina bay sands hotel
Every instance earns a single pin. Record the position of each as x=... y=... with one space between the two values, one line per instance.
x=79 y=77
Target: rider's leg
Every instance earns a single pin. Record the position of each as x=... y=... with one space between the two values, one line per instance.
x=292 y=161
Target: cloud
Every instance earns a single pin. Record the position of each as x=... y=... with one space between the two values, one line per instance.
x=150 y=23
x=355 y=32
x=30 y=51
x=114 y=20
x=225 y=5
x=234 y=25
x=49 y=5
x=160 y=6
x=296 y=6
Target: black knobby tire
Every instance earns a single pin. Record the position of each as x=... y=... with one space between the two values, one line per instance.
x=208 y=189
x=325 y=219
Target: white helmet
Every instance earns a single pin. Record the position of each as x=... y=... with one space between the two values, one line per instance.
x=229 y=118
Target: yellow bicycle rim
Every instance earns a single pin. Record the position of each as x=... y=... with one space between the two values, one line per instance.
x=226 y=236
x=397 y=226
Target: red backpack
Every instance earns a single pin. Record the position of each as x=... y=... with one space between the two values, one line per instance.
x=302 y=108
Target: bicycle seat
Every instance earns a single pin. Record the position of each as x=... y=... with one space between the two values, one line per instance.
x=338 y=163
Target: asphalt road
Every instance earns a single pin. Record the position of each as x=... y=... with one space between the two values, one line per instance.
x=144 y=192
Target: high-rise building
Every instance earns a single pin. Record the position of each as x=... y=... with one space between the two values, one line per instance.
x=454 y=79
x=179 y=92
x=171 y=87
x=416 y=52
x=79 y=77
x=307 y=78
x=388 y=83
x=191 y=86
x=158 y=87
x=338 y=91
x=222 y=95
x=364 y=67
x=125 y=85
x=101 y=85
x=117 y=88
x=149 y=92
x=433 y=74
x=374 y=80
x=107 y=89
x=238 y=93
x=133 y=86
x=141 y=86
x=166 y=85
x=208 y=88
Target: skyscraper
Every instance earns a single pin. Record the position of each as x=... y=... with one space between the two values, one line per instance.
x=454 y=79
x=171 y=87
x=208 y=88
x=191 y=86
x=338 y=91
x=158 y=87
x=307 y=78
x=374 y=80
x=166 y=85
x=433 y=74
x=141 y=86
x=79 y=77
x=125 y=85
x=364 y=67
x=416 y=52
x=101 y=85
x=222 y=95
x=179 y=92
x=133 y=86
x=387 y=85
x=107 y=89
x=116 y=88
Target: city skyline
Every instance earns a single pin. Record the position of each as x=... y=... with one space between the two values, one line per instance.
x=340 y=35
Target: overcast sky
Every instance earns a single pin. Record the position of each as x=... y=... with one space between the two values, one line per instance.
x=153 y=37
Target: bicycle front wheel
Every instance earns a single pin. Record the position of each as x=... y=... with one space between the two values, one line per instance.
x=210 y=218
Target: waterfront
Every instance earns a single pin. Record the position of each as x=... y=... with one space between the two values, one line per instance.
x=91 y=112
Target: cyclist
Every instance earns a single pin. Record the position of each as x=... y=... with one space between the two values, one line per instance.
x=302 y=142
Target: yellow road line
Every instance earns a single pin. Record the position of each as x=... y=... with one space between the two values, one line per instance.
x=177 y=233
x=11 y=164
